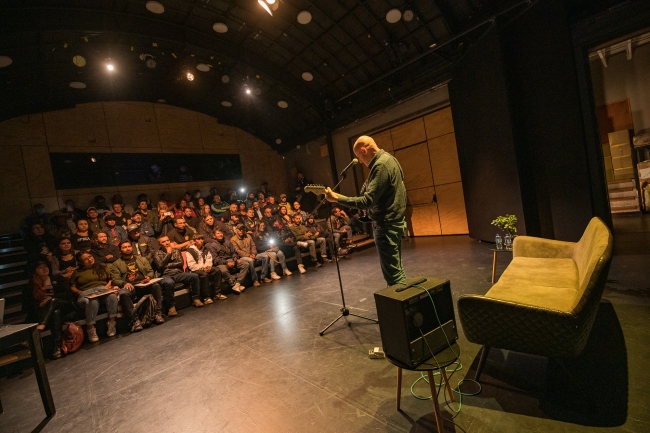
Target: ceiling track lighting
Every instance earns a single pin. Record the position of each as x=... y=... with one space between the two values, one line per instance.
x=269 y=5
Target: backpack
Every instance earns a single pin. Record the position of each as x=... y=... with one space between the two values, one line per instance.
x=145 y=310
x=73 y=338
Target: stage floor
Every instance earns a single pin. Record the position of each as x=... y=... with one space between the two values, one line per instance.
x=255 y=363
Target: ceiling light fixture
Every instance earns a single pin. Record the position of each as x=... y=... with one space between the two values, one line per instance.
x=226 y=103
x=155 y=7
x=5 y=61
x=278 y=141
x=203 y=67
x=304 y=17
x=220 y=27
x=190 y=76
x=283 y=104
x=269 y=5
x=393 y=16
x=225 y=78
x=408 y=15
x=77 y=85
x=110 y=67
x=79 y=61
x=307 y=76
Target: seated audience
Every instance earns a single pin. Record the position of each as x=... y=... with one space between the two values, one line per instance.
x=218 y=207
x=296 y=210
x=115 y=232
x=123 y=219
x=190 y=218
x=102 y=250
x=100 y=206
x=308 y=240
x=208 y=226
x=319 y=232
x=267 y=243
x=257 y=210
x=199 y=261
x=147 y=215
x=232 y=225
x=268 y=217
x=226 y=259
x=247 y=252
x=261 y=199
x=340 y=224
x=250 y=221
x=264 y=187
x=81 y=239
x=71 y=211
x=250 y=199
x=51 y=294
x=39 y=244
x=285 y=204
x=165 y=221
x=180 y=209
x=181 y=235
x=242 y=210
x=91 y=275
x=233 y=209
x=143 y=225
x=60 y=226
x=126 y=273
x=39 y=216
x=63 y=262
x=95 y=223
x=170 y=265
x=205 y=210
x=167 y=199
x=284 y=216
x=288 y=243
x=275 y=208
x=143 y=246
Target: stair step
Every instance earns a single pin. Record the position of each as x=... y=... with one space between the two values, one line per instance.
x=13 y=265
x=13 y=284
x=11 y=250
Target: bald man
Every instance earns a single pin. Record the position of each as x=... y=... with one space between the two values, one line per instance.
x=383 y=195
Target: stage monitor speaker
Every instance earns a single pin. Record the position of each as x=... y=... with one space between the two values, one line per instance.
x=409 y=326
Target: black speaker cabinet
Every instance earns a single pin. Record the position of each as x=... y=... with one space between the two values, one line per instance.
x=410 y=329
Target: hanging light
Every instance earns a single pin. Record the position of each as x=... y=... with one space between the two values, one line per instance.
x=269 y=5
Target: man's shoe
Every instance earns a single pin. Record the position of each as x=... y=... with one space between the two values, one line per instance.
x=351 y=245
x=326 y=260
x=237 y=288
x=92 y=335
x=111 y=329
x=137 y=326
x=159 y=319
x=256 y=283
x=301 y=268
x=318 y=265
x=275 y=276
x=172 y=311
x=267 y=280
x=220 y=297
x=56 y=354
x=197 y=302
x=207 y=301
x=287 y=272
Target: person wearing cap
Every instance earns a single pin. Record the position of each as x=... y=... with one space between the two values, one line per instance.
x=143 y=225
x=285 y=204
x=115 y=233
x=275 y=208
x=245 y=247
x=143 y=246
x=95 y=224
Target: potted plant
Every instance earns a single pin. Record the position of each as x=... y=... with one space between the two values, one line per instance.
x=507 y=223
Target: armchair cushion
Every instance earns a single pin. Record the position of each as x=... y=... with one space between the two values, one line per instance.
x=528 y=246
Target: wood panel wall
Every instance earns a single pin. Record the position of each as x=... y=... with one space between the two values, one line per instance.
x=102 y=127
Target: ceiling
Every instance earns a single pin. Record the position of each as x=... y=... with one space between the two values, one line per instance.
x=359 y=61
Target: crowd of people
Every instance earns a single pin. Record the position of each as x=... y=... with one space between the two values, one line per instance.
x=113 y=255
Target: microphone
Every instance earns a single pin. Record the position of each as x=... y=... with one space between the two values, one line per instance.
x=352 y=163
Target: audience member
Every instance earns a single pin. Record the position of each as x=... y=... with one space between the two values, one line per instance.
x=199 y=261
x=308 y=240
x=130 y=273
x=115 y=232
x=233 y=209
x=39 y=216
x=167 y=198
x=180 y=209
x=284 y=216
x=264 y=187
x=296 y=210
x=218 y=207
x=63 y=262
x=250 y=222
x=143 y=225
x=261 y=199
x=232 y=225
x=257 y=210
x=143 y=246
x=102 y=250
x=267 y=243
x=60 y=225
x=148 y=216
x=51 y=297
x=100 y=206
x=170 y=266
x=226 y=259
x=165 y=221
x=71 y=211
x=205 y=210
x=190 y=218
x=95 y=224
x=81 y=239
x=340 y=223
x=118 y=199
x=319 y=232
x=89 y=277
x=275 y=208
x=122 y=218
x=242 y=210
x=250 y=199
x=301 y=182
x=268 y=217
x=285 y=204
x=39 y=244
x=247 y=252
x=181 y=235
x=288 y=243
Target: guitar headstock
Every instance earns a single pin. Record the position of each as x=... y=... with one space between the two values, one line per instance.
x=316 y=189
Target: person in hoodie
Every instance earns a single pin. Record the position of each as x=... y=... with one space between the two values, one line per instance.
x=226 y=259
x=115 y=232
x=267 y=243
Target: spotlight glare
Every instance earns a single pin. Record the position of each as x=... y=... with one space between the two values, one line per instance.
x=190 y=77
x=265 y=6
x=248 y=91
x=110 y=67
x=242 y=190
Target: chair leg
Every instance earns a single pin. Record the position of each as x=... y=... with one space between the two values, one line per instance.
x=399 y=387
x=450 y=392
x=481 y=362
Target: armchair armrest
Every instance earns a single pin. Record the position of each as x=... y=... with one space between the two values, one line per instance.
x=528 y=246
x=519 y=327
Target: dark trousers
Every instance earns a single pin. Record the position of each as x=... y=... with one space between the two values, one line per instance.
x=128 y=297
x=388 y=239
x=189 y=279
x=214 y=275
x=290 y=249
x=52 y=313
x=226 y=273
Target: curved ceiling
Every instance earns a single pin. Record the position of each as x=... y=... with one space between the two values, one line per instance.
x=357 y=60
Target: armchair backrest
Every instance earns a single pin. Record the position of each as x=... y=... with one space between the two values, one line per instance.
x=592 y=254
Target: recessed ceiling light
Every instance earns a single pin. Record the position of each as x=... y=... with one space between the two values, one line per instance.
x=151 y=63
x=155 y=7
x=248 y=91
x=278 y=141
x=408 y=15
x=5 y=61
x=77 y=85
x=190 y=76
x=393 y=16
x=304 y=17
x=283 y=104
x=79 y=61
x=226 y=103
x=162 y=101
x=203 y=67
x=307 y=76
x=220 y=27
x=432 y=45
x=225 y=78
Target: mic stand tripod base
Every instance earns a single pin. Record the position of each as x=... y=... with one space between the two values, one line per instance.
x=344 y=313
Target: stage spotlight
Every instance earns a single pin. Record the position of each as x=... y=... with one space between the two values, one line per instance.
x=269 y=5
x=190 y=77
x=265 y=6
x=242 y=190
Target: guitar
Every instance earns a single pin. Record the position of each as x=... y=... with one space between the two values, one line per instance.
x=316 y=189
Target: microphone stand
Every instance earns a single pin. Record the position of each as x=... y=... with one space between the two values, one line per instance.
x=344 y=309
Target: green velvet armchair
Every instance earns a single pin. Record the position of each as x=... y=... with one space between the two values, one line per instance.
x=546 y=300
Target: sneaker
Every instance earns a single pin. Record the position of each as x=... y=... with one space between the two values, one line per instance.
x=301 y=268
x=352 y=245
x=318 y=265
x=207 y=301
x=137 y=326
x=172 y=311
x=267 y=280
x=111 y=330
x=197 y=302
x=275 y=276
x=56 y=354
x=159 y=319
x=326 y=260
x=237 y=288
x=256 y=283
x=92 y=335
x=220 y=297
x=286 y=272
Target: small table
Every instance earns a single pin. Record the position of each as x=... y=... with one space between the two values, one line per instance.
x=444 y=359
x=494 y=261
x=11 y=335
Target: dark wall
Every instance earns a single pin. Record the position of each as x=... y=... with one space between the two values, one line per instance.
x=531 y=64
x=485 y=140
